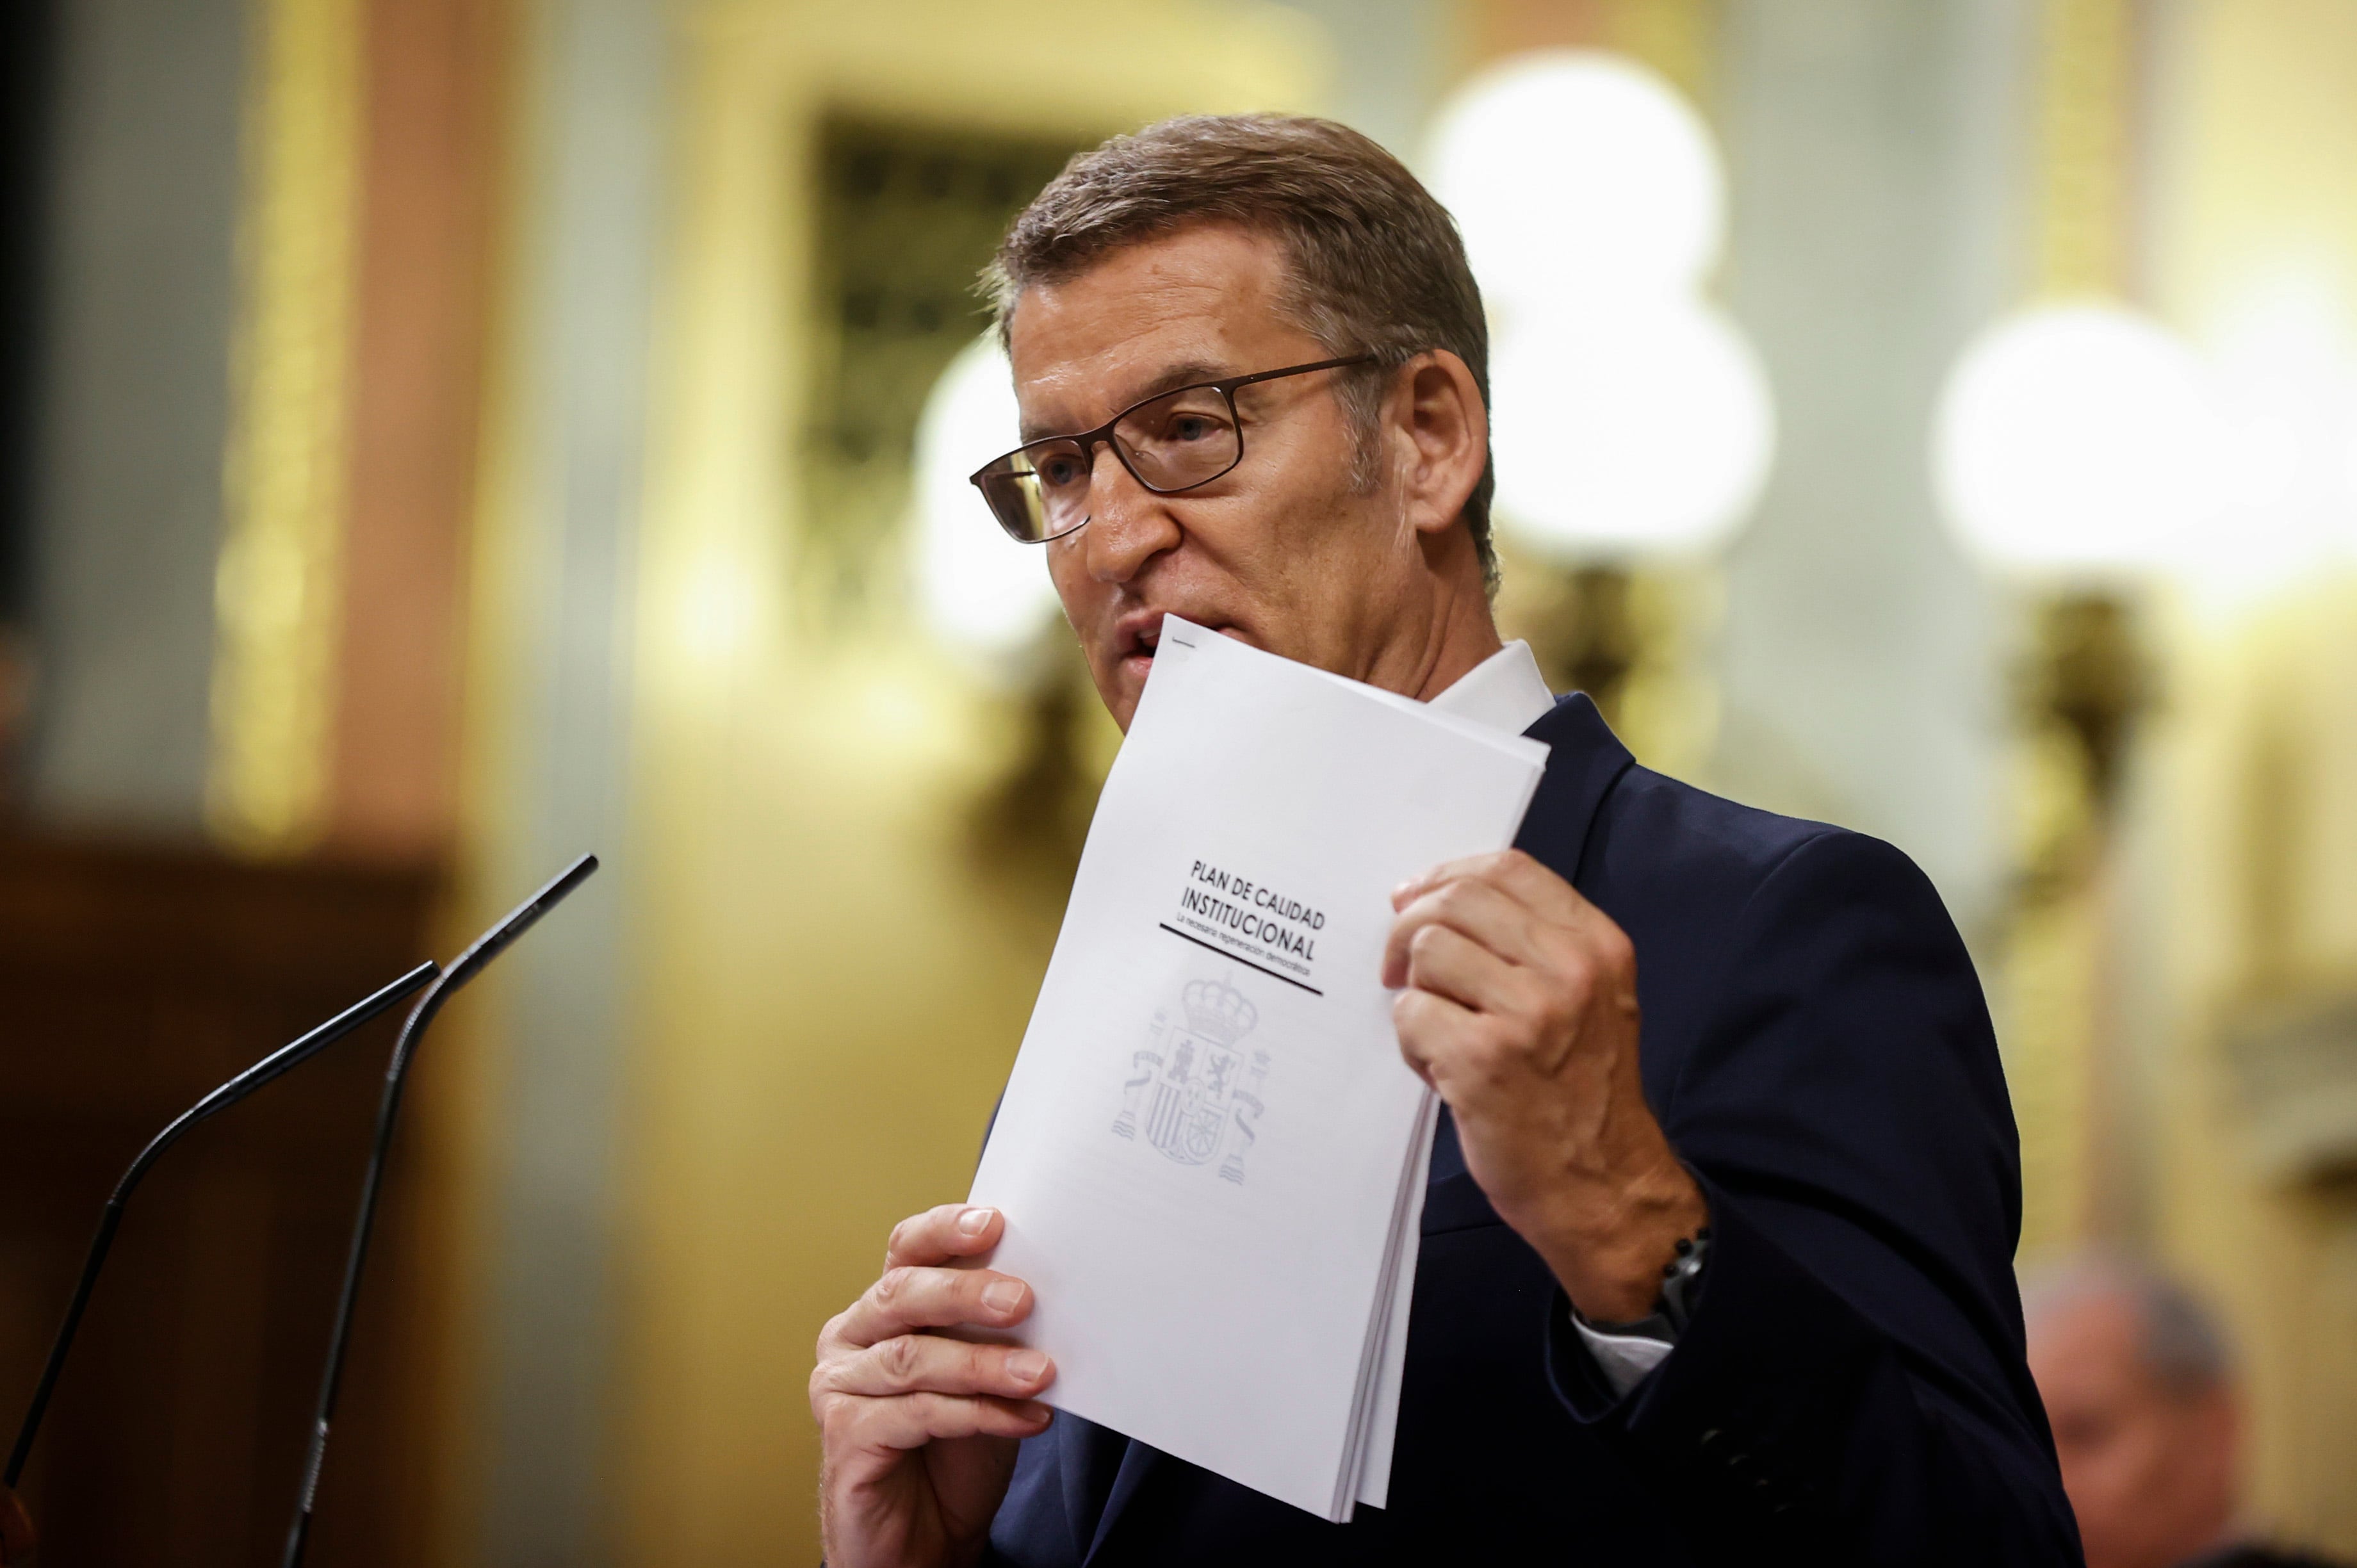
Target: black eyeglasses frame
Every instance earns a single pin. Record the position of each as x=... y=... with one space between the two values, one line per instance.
x=1089 y=440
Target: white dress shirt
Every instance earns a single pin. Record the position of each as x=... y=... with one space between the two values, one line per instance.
x=1507 y=691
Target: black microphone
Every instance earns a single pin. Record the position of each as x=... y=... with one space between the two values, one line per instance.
x=463 y=968
x=269 y=1068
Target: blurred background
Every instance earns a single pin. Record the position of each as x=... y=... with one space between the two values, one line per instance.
x=440 y=436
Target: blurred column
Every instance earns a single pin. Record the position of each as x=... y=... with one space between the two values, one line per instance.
x=134 y=400
x=1391 y=60
x=29 y=32
x=1676 y=38
x=549 y=734
x=438 y=96
x=276 y=600
x=2244 y=858
x=1873 y=150
x=2071 y=509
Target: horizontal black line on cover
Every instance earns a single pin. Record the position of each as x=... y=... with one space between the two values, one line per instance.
x=1248 y=963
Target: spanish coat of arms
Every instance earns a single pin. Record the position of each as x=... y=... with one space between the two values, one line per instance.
x=1195 y=1089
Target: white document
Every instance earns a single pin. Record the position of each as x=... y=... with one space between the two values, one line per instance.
x=1391 y=1360
x=1210 y=1155
x=1374 y=1488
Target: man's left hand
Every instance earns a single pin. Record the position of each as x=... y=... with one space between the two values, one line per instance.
x=1520 y=1008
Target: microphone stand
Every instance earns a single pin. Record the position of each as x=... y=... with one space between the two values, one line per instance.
x=463 y=968
x=270 y=1066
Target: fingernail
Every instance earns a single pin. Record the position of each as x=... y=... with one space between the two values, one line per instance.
x=1026 y=1365
x=1002 y=1295
x=975 y=1221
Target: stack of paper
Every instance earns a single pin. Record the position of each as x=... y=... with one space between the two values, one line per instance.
x=1211 y=1155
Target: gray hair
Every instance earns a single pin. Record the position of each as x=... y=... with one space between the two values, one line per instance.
x=2180 y=1342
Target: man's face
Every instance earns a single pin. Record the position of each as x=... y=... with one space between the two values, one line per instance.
x=1284 y=553
x=2149 y=1470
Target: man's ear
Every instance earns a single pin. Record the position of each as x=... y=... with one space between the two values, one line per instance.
x=1440 y=429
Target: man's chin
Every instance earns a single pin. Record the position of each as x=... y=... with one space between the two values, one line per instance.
x=1120 y=685
x=1128 y=687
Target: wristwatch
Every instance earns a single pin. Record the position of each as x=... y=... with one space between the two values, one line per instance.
x=1673 y=1307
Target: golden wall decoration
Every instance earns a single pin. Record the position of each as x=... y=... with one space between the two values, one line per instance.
x=275 y=594
x=908 y=212
x=2084 y=119
x=1677 y=37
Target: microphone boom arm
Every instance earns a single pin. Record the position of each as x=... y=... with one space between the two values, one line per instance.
x=274 y=1066
x=463 y=968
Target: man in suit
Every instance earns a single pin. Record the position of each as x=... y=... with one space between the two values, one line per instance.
x=2147 y=1419
x=1716 y=1264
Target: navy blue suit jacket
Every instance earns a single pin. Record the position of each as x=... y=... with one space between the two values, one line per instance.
x=1851 y=1389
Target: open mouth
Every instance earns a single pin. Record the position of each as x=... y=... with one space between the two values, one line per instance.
x=1139 y=641
x=1141 y=638
x=1137 y=655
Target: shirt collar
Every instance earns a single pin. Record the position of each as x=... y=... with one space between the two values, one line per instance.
x=1505 y=691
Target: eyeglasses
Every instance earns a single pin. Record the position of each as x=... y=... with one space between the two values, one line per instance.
x=1173 y=441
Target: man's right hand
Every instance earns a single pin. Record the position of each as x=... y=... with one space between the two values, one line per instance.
x=916 y=1433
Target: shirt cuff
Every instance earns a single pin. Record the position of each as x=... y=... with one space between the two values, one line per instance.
x=1623 y=1359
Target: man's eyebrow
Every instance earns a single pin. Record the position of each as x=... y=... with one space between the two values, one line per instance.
x=1192 y=372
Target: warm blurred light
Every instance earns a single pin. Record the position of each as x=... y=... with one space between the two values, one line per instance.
x=983 y=594
x=719 y=610
x=1644 y=431
x=2080 y=438
x=2288 y=373
x=2349 y=471
x=1630 y=416
x=1572 y=172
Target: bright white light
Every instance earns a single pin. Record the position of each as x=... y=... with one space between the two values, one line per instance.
x=1574 y=173
x=719 y=610
x=2283 y=350
x=2079 y=438
x=1645 y=430
x=2263 y=461
x=2349 y=465
x=982 y=593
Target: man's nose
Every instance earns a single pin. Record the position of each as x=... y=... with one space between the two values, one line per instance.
x=1128 y=524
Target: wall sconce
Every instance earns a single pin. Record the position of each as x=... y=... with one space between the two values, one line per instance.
x=2079 y=447
x=1632 y=420
x=990 y=601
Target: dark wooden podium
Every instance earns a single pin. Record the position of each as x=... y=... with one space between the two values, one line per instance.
x=133 y=980
x=16 y=1531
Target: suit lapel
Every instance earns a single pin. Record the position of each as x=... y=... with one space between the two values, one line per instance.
x=1584 y=760
x=1088 y=1456
x=1137 y=1460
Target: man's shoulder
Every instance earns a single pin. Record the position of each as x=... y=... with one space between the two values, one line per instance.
x=1634 y=839
x=1659 y=819
x=1702 y=871
x=1661 y=831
